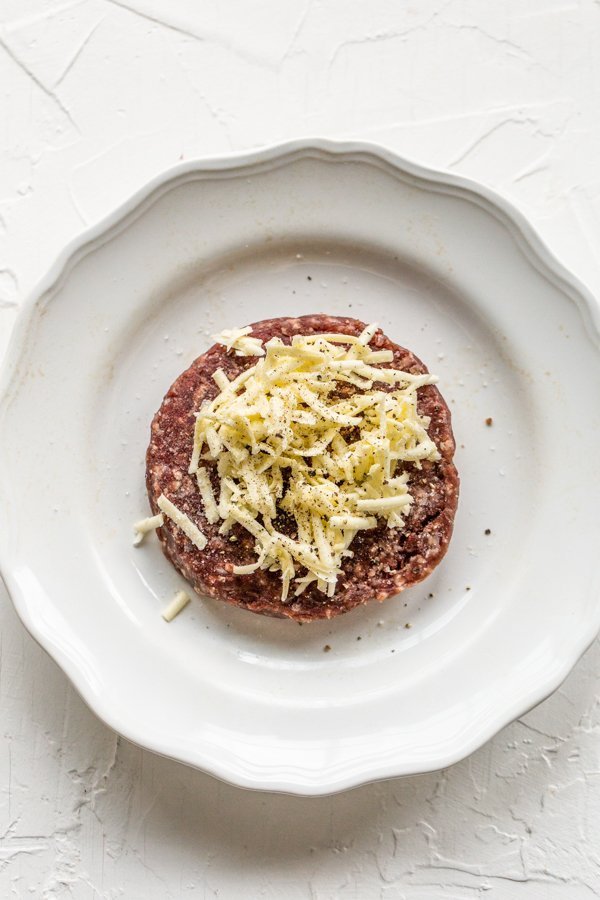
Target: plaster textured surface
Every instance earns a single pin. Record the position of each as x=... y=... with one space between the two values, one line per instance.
x=96 y=96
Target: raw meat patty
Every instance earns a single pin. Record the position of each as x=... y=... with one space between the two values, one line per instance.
x=385 y=561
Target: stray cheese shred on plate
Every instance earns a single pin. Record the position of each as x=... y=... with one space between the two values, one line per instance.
x=142 y=528
x=177 y=604
x=308 y=432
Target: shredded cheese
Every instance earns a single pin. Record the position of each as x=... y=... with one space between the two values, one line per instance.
x=208 y=498
x=237 y=339
x=142 y=528
x=179 y=602
x=318 y=431
x=182 y=521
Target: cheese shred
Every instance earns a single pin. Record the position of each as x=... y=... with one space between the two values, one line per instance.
x=319 y=434
x=182 y=521
x=237 y=339
x=142 y=528
x=179 y=602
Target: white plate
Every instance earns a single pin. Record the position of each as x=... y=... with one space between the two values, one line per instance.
x=448 y=269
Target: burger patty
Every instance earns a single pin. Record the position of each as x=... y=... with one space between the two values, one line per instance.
x=385 y=561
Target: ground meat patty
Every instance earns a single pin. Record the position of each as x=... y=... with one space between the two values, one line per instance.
x=385 y=560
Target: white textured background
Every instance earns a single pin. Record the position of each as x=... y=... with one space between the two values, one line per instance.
x=96 y=96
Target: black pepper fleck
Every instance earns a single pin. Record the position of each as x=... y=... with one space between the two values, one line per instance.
x=326 y=648
x=488 y=531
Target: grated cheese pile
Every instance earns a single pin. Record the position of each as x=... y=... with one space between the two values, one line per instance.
x=285 y=441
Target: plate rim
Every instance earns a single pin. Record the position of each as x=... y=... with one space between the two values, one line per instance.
x=539 y=255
